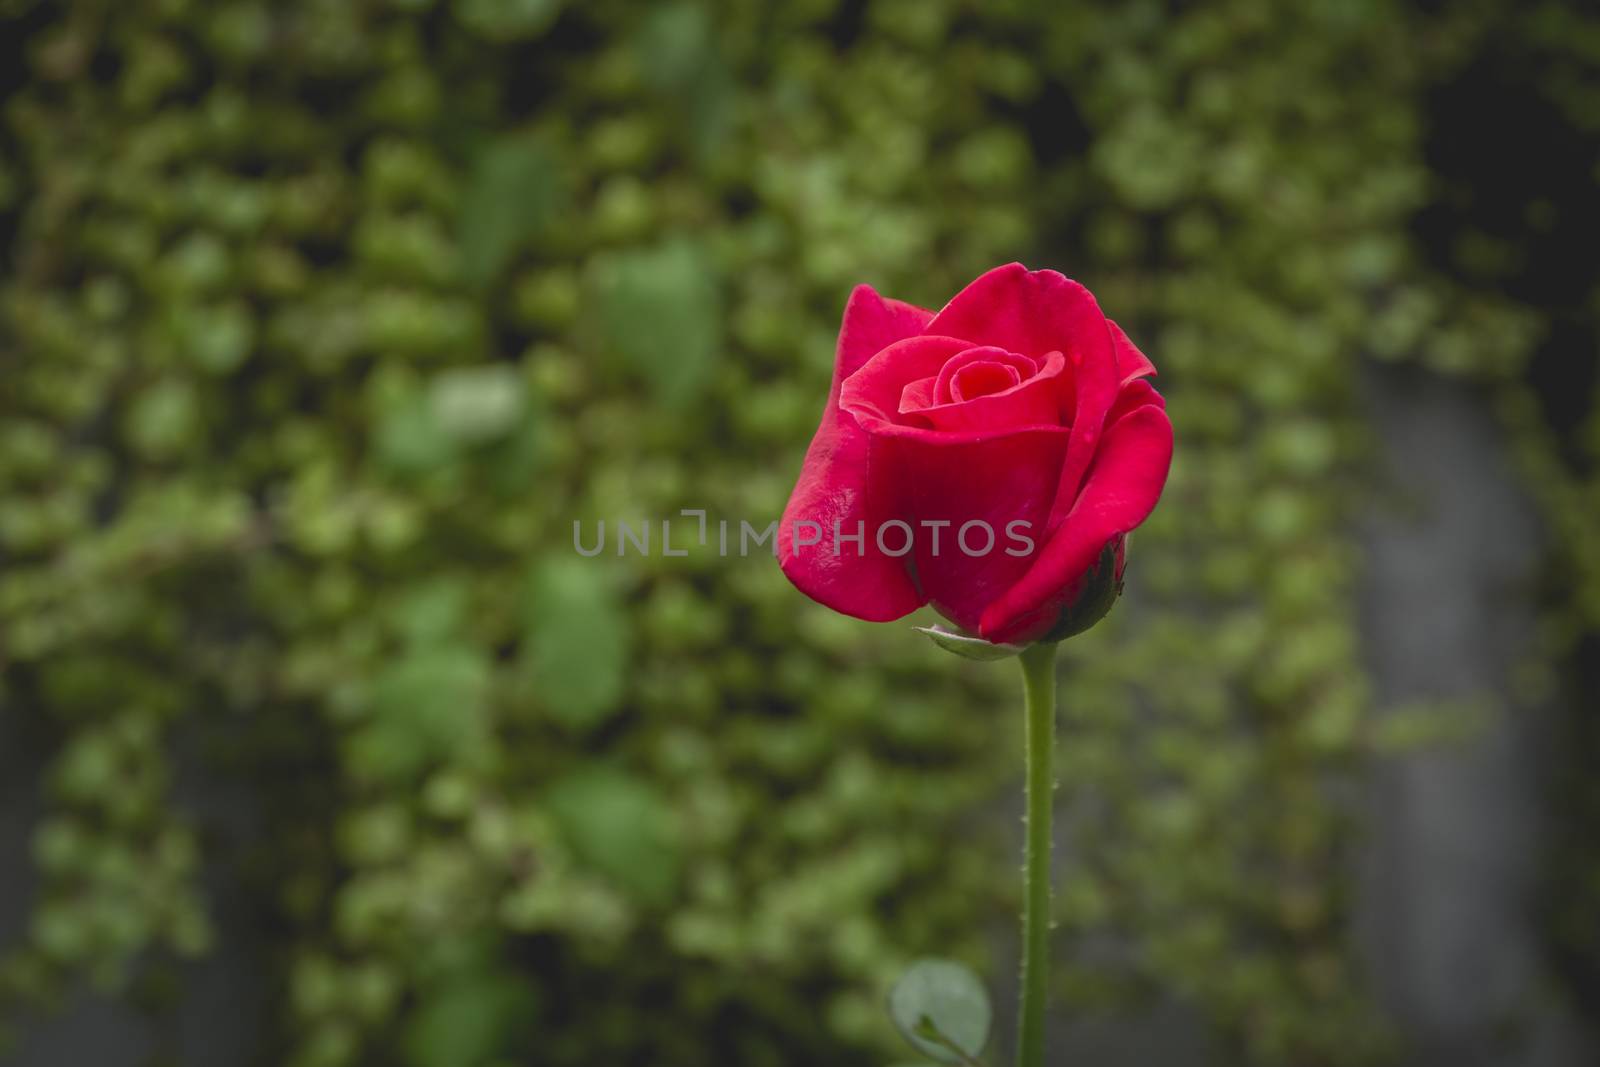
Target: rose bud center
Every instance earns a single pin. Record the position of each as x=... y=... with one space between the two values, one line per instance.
x=982 y=379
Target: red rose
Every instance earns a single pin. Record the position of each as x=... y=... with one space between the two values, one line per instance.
x=1018 y=415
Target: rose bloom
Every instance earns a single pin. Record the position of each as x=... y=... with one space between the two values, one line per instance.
x=1019 y=406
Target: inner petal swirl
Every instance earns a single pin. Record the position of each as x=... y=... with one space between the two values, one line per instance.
x=989 y=395
x=981 y=379
x=944 y=385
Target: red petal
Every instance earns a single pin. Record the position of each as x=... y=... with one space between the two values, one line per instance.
x=1031 y=312
x=982 y=378
x=844 y=480
x=1036 y=312
x=1134 y=394
x=919 y=394
x=945 y=386
x=872 y=394
x=1035 y=402
x=956 y=479
x=1095 y=385
x=1119 y=493
x=1131 y=363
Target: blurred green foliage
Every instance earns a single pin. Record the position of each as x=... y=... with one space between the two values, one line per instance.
x=323 y=321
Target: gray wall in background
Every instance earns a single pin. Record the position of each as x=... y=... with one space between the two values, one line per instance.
x=1448 y=911
x=220 y=1021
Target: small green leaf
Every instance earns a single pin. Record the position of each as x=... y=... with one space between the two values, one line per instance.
x=941 y=1008
x=468 y=1021
x=618 y=826
x=430 y=613
x=408 y=439
x=577 y=638
x=163 y=418
x=966 y=645
x=508 y=20
x=474 y=404
x=660 y=310
x=681 y=61
x=518 y=187
x=217 y=338
x=427 y=706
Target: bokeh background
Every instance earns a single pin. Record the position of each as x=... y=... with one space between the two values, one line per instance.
x=321 y=321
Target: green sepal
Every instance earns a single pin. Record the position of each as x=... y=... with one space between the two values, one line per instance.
x=967 y=645
x=1101 y=588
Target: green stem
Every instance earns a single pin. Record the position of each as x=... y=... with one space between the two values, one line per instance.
x=1039 y=700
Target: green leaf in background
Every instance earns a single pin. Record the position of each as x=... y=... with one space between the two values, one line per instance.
x=660 y=310
x=408 y=439
x=423 y=427
x=518 y=186
x=950 y=998
x=431 y=613
x=431 y=705
x=217 y=339
x=619 y=826
x=680 y=59
x=508 y=20
x=469 y=1021
x=577 y=640
x=512 y=463
x=474 y=404
x=162 y=418
x=675 y=44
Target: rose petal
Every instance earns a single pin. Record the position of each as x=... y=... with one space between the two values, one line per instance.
x=871 y=324
x=955 y=480
x=1131 y=363
x=1035 y=312
x=944 y=387
x=843 y=481
x=1030 y=312
x=983 y=378
x=1133 y=394
x=1035 y=402
x=1094 y=383
x=1120 y=491
x=919 y=394
x=874 y=392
